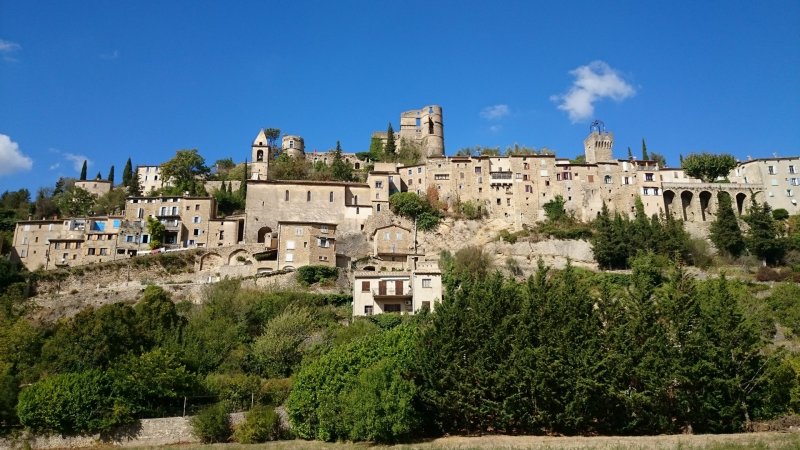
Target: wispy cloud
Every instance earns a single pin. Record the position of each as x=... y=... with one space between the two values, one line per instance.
x=110 y=56
x=495 y=128
x=77 y=160
x=495 y=112
x=7 y=50
x=11 y=159
x=593 y=82
x=54 y=166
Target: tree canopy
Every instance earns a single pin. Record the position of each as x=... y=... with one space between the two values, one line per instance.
x=707 y=166
x=185 y=172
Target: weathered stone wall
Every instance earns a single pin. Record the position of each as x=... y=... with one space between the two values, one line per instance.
x=146 y=432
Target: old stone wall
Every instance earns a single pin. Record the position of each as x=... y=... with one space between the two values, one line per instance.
x=144 y=433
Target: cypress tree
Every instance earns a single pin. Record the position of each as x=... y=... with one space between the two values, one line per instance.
x=99 y=176
x=630 y=153
x=127 y=173
x=83 y=170
x=111 y=175
x=725 y=232
x=243 y=185
x=390 y=150
x=645 y=156
x=762 y=238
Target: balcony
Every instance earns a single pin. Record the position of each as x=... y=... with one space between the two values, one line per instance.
x=501 y=178
x=391 y=294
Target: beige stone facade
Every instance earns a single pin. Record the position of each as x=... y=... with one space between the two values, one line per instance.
x=303 y=244
x=150 y=179
x=405 y=292
x=95 y=187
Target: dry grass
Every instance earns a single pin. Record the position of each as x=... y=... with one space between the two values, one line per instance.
x=769 y=440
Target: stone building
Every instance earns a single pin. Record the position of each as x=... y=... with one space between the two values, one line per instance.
x=150 y=178
x=95 y=187
x=406 y=292
x=303 y=244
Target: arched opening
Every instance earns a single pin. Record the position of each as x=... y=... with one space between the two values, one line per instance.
x=210 y=261
x=740 y=198
x=238 y=258
x=669 y=198
x=705 y=205
x=369 y=268
x=430 y=125
x=260 y=155
x=686 y=204
x=358 y=165
x=262 y=234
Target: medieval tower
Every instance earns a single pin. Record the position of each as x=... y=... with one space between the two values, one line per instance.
x=424 y=128
x=598 y=146
x=260 y=155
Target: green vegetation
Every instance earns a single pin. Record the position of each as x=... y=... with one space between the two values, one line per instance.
x=309 y=275
x=212 y=424
x=156 y=230
x=707 y=166
x=618 y=239
x=186 y=172
x=561 y=224
x=412 y=206
x=725 y=232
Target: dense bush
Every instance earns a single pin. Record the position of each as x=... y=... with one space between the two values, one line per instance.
x=278 y=351
x=238 y=390
x=317 y=274
x=81 y=402
x=212 y=424
x=261 y=424
x=411 y=205
x=360 y=390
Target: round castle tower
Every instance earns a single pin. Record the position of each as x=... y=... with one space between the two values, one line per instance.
x=293 y=146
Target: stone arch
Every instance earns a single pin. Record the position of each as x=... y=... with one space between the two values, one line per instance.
x=686 y=205
x=740 y=198
x=210 y=261
x=705 y=205
x=260 y=155
x=262 y=234
x=669 y=199
x=233 y=259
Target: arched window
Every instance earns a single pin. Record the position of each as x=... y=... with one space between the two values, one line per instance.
x=260 y=155
x=430 y=125
x=607 y=179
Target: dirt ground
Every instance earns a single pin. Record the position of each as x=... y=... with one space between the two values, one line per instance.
x=765 y=440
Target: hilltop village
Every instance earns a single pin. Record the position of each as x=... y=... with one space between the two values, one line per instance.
x=287 y=224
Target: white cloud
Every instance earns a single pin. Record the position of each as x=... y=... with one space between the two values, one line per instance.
x=55 y=166
x=495 y=128
x=593 y=82
x=7 y=49
x=495 y=112
x=11 y=159
x=77 y=161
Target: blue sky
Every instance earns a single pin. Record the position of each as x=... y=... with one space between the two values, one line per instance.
x=110 y=80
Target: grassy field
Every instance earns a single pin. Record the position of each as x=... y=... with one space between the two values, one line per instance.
x=769 y=440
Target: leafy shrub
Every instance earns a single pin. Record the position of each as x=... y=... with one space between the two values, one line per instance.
x=424 y=210
x=386 y=321
x=278 y=351
x=507 y=236
x=261 y=424
x=472 y=210
x=235 y=389
x=780 y=214
x=700 y=252
x=212 y=424
x=315 y=274
x=69 y=403
x=361 y=390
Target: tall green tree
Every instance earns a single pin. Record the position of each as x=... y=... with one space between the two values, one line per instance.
x=707 y=166
x=186 y=172
x=390 y=149
x=645 y=156
x=725 y=232
x=243 y=184
x=341 y=169
x=99 y=176
x=75 y=202
x=83 y=170
x=763 y=238
x=156 y=229
x=127 y=173
x=111 y=176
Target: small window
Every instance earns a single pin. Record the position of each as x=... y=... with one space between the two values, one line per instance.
x=330 y=197
x=323 y=228
x=298 y=231
x=286 y=196
x=365 y=286
x=771 y=170
x=196 y=219
x=426 y=282
x=289 y=257
x=368 y=310
x=308 y=196
x=196 y=232
x=289 y=245
x=379 y=185
x=196 y=207
x=378 y=207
